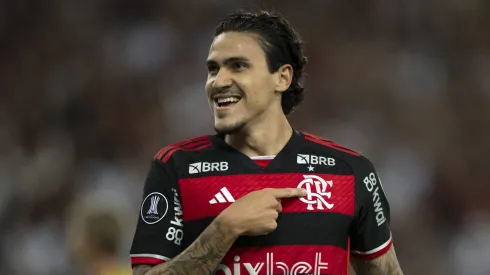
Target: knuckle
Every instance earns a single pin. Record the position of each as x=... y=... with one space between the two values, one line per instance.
x=273 y=225
x=270 y=202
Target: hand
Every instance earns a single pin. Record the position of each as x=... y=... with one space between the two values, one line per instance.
x=256 y=213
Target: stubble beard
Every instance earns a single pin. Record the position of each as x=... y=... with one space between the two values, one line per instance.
x=230 y=129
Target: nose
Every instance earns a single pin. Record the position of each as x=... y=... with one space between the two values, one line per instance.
x=222 y=79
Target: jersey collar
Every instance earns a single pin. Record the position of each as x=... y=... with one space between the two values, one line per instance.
x=279 y=163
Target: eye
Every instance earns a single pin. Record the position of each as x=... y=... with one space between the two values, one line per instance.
x=239 y=66
x=213 y=69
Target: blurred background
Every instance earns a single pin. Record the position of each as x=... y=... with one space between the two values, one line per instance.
x=91 y=90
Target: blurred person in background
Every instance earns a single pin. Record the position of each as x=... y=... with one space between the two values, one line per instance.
x=94 y=240
x=255 y=66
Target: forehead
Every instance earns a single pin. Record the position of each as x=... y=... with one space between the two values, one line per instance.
x=233 y=44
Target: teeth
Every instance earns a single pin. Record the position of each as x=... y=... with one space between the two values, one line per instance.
x=227 y=99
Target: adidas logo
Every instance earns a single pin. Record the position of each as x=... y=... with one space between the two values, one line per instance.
x=222 y=197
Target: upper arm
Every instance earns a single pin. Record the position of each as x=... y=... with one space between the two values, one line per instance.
x=372 y=247
x=159 y=230
x=370 y=232
x=386 y=264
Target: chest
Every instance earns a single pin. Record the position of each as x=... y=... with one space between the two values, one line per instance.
x=312 y=230
x=328 y=195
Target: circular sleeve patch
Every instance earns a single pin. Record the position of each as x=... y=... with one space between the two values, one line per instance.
x=154 y=208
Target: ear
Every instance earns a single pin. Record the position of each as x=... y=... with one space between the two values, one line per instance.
x=284 y=78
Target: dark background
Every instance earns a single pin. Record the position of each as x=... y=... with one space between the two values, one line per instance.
x=91 y=90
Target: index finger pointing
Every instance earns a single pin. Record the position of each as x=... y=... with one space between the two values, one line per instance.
x=289 y=192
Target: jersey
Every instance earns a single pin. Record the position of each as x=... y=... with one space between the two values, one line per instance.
x=345 y=211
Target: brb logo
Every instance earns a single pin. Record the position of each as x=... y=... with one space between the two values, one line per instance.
x=316 y=192
x=270 y=267
x=203 y=167
x=315 y=160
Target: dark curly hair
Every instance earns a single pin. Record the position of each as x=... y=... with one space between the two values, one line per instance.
x=281 y=44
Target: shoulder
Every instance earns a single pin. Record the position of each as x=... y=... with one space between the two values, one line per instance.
x=326 y=146
x=187 y=146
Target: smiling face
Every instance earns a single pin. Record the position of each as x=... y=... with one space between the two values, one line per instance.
x=240 y=87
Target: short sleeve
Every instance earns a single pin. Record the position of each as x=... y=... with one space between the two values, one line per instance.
x=370 y=233
x=159 y=231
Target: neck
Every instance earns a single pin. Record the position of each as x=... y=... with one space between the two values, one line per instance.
x=263 y=138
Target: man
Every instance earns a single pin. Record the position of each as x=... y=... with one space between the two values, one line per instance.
x=260 y=197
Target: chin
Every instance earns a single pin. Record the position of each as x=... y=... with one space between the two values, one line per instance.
x=228 y=128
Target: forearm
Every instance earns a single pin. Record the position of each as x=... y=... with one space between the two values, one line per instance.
x=200 y=258
x=386 y=264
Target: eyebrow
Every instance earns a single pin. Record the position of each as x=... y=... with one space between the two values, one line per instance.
x=210 y=62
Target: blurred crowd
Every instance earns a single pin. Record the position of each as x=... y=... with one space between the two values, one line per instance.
x=91 y=90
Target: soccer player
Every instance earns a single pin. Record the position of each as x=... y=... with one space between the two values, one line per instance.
x=260 y=197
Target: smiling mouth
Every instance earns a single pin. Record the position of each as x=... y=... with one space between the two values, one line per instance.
x=225 y=102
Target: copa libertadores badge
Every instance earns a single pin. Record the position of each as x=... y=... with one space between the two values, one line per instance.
x=154 y=208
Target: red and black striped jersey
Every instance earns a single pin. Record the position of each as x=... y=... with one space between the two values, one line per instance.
x=344 y=212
